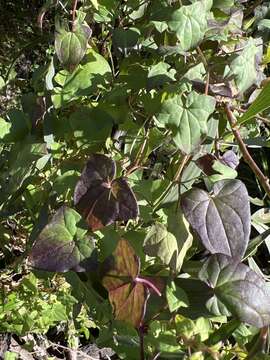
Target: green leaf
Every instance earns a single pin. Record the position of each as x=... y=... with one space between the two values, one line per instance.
x=125 y=39
x=261 y=103
x=170 y=247
x=70 y=46
x=176 y=297
x=221 y=219
x=187 y=119
x=159 y=75
x=237 y=290
x=92 y=73
x=243 y=66
x=190 y=24
x=63 y=244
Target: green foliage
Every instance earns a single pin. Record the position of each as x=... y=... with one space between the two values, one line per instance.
x=126 y=204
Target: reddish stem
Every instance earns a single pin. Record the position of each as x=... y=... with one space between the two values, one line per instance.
x=148 y=284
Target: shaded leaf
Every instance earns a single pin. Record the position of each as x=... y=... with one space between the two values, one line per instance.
x=221 y=219
x=100 y=198
x=63 y=244
x=260 y=104
x=187 y=119
x=126 y=295
x=237 y=290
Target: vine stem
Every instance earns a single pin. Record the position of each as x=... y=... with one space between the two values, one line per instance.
x=141 y=335
x=264 y=181
x=148 y=284
x=75 y=4
x=176 y=178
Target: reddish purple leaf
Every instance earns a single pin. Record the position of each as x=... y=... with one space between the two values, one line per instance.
x=101 y=198
x=126 y=295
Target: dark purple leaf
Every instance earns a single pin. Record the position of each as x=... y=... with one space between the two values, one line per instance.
x=63 y=245
x=238 y=290
x=100 y=198
x=230 y=159
x=221 y=219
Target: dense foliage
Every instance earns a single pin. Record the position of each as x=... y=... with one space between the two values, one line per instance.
x=134 y=190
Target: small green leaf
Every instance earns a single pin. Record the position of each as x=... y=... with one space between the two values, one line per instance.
x=237 y=290
x=187 y=119
x=170 y=247
x=261 y=103
x=176 y=297
x=63 y=244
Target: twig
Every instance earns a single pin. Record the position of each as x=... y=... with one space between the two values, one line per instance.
x=264 y=181
x=77 y=351
x=75 y=3
x=141 y=335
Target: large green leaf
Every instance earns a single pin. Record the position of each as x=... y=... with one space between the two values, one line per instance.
x=243 y=66
x=261 y=103
x=221 y=219
x=187 y=119
x=237 y=290
x=63 y=244
x=190 y=23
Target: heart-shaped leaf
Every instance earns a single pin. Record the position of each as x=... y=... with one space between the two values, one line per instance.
x=63 y=244
x=126 y=295
x=238 y=290
x=100 y=198
x=187 y=119
x=71 y=46
x=221 y=219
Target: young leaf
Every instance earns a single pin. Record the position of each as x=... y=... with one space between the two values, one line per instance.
x=63 y=244
x=187 y=119
x=126 y=295
x=170 y=247
x=71 y=46
x=221 y=219
x=237 y=290
x=100 y=198
x=176 y=297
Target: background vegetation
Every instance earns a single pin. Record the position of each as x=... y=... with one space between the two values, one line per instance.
x=134 y=179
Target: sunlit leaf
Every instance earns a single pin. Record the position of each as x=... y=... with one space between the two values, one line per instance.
x=238 y=290
x=63 y=244
x=190 y=23
x=102 y=199
x=221 y=219
x=187 y=119
x=126 y=295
